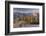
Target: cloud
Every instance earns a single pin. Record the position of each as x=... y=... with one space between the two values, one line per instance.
x=25 y=10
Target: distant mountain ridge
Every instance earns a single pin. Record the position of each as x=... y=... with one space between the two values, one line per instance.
x=18 y=15
x=22 y=14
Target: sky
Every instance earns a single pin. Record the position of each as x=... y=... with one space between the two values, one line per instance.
x=25 y=10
